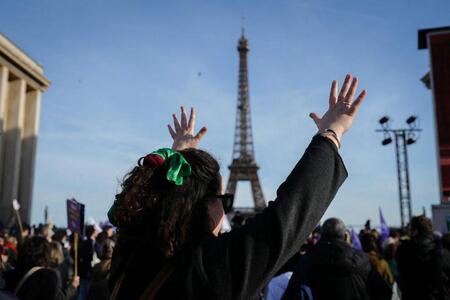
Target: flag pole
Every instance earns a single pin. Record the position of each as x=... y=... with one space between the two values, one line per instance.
x=16 y=207
x=19 y=221
x=75 y=251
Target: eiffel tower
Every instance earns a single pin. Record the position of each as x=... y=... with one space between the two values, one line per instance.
x=244 y=166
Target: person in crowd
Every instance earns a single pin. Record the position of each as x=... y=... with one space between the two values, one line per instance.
x=57 y=263
x=420 y=263
x=88 y=256
x=389 y=252
x=60 y=237
x=278 y=284
x=446 y=241
x=105 y=237
x=10 y=248
x=369 y=245
x=238 y=220
x=332 y=269
x=446 y=259
x=57 y=259
x=46 y=231
x=367 y=226
x=169 y=213
x=19 y=234
x=4 y=259
x=33 y=278
x=99 y=285
x=4 y=265
x=108 y=228
x=26 y=231
x=394 y=234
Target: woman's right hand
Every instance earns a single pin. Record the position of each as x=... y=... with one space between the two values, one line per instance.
x=342 y=109
x=183 y=134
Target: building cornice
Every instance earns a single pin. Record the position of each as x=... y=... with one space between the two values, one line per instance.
x=21 y=65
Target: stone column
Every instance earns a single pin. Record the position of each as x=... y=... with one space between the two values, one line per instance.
x=15 y=109
x=29 y=144
x=3 y=93
x=22 y=81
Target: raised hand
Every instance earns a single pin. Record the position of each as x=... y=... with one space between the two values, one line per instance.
x=342 y=109
x=183 y=134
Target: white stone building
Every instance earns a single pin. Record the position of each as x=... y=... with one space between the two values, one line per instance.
x=22 y=82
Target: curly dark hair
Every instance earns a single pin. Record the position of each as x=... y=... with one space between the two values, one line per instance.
x=172 y=214
x=35 y=251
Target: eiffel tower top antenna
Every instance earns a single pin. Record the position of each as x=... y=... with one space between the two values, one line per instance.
x=244 y=166
x=242 y=26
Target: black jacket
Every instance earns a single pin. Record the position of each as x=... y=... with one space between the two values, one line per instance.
x=238 y=264
x=86 y=254
x=334 y=270
x=43 y=284
x=422 y=269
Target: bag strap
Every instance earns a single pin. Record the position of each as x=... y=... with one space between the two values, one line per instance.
x=154 y=286
x=158 y=282
x=117 y=287
x=119 y=281
x=25 y=277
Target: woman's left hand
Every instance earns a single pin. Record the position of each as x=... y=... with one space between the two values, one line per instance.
x=342 y=108
x=183 y=134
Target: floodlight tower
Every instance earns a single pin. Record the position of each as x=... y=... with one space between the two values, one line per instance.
x=403 y=138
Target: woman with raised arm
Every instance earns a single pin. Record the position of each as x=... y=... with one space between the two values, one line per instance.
x=169 y=214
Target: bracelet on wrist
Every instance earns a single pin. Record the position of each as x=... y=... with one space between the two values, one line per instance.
x=332 y=132
x=329 y=133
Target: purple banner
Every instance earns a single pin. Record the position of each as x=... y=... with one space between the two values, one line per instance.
x=75 y=216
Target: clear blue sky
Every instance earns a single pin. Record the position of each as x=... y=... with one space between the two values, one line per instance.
x=120 y=68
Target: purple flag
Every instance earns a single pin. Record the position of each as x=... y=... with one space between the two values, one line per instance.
x=356 y=243
x=383 y=227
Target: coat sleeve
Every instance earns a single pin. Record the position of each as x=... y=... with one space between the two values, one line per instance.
x=238 y=264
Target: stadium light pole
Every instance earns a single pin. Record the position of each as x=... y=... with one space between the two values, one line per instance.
x=403 y=138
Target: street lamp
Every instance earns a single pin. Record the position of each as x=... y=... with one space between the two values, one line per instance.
x=403 y=138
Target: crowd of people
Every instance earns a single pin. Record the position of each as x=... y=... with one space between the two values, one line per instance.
x=38 y=263
x=169 y=243
x=411 y=263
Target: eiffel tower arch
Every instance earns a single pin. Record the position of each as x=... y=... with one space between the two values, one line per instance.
x=243 y=166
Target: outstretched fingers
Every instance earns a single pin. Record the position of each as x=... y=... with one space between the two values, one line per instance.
x=171 y=131
x=184 y=124
x=183 y=132
x=176 y=123
x=200 y=134
x=315 y=118
x=191 y=123
x=345 y=87
x=333 y=92
x=351 y=92
x=357 y=103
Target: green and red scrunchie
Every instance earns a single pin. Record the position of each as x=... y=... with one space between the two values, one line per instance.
x=179 y=168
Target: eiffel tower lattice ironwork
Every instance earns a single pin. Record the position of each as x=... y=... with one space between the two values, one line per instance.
x=244 y=166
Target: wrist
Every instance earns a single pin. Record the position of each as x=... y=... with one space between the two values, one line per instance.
x=338 y=131
x=332 y=136
x=176 y=146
